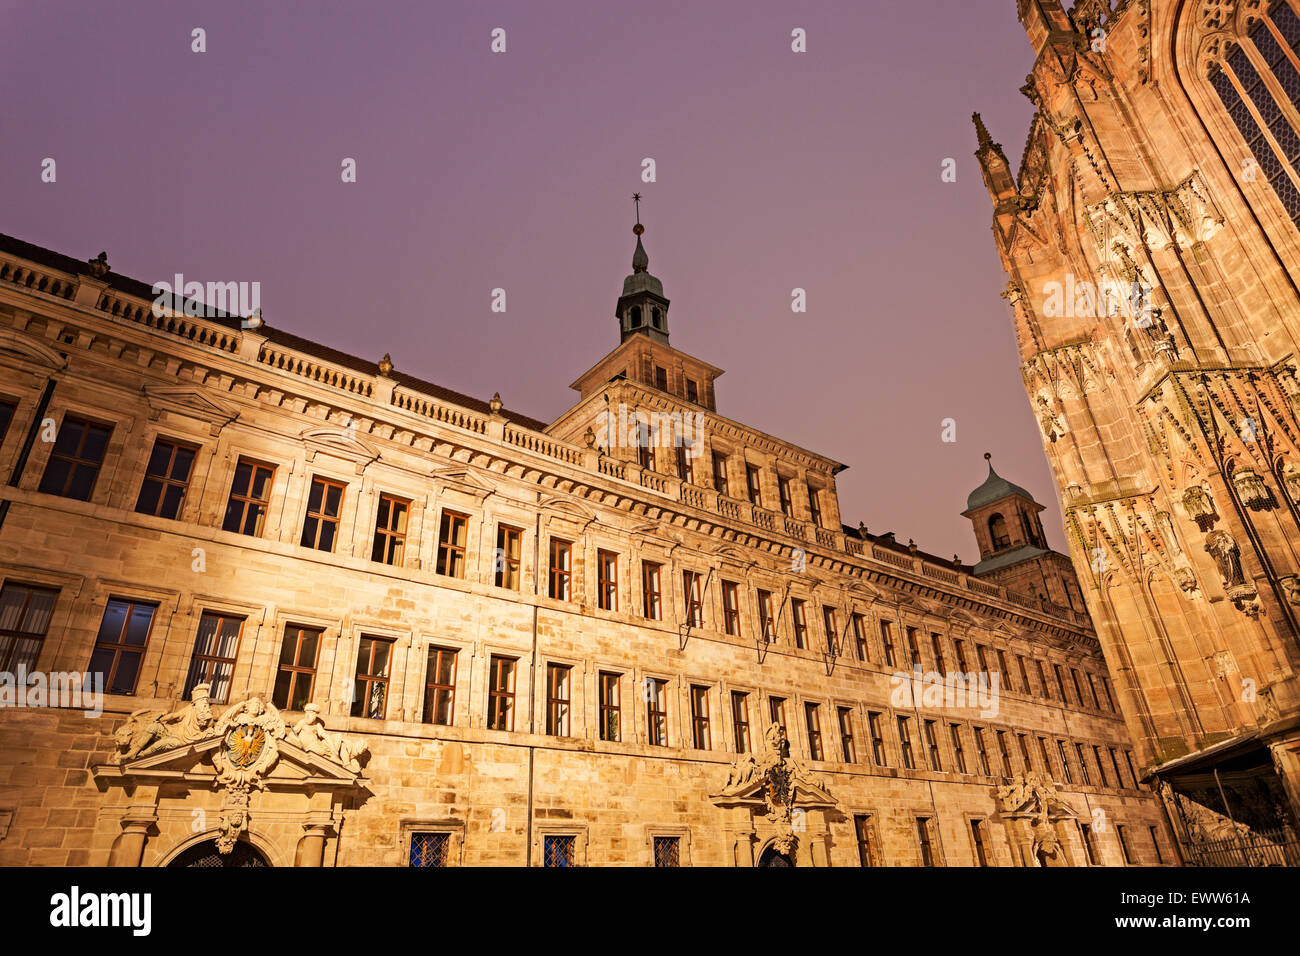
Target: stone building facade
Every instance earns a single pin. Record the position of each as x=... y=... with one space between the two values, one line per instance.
x=348 y=617
x=1150 y=237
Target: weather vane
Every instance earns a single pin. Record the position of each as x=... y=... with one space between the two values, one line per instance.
x=638 y=228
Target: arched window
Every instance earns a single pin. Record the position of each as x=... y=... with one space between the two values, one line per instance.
x=658 y=316
x=634 y=317
x=1258 y=83
x=998 y=532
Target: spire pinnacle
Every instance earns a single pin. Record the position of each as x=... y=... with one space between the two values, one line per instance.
x=640 y=261
x=986 y=141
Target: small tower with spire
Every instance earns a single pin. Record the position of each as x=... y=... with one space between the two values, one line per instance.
x=642 y=308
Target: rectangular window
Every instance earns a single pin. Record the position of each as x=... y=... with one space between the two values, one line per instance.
x=800 y=623
x=1155 y=842
x=905 y=742
x=860 y=636
x=166 y=479
x=731 y=607
x=936 y=647
x=923 y=840
x=559 y=850
x=216 y=647
x=862 y=830
x=847 y=748
x=1114 y=764
x=765 y=616
x=1065 y=761
x=1004 y=672
x=501 y=693
x=430 y=849
x=692 y=391
x=1060 y=684
x=440 y=687
x=7 y=410
x=1004 y=754
x=607 y=580
x=611 y=713
x=812 y=718
x=982 y=752
x=959 y=646
x=645 y=449
x=509 y=544
x=720 y=473
x=700 y=717
x=982 y=657
x=452 y=533
x=1121 y=832
x=667 y=851
x=1045 y=755
x=374 y=657
x=958 y=751
x=977 y=837
x=1110 y=700
x=693 y=599
x=651 y=596
x=887 y=643
x=1092 y=689
x=832 y=635
x=1074 y=681
x=752 y=486
x=557 y=699
x=250 y=497
x=1132 y=771
x=1042 y=679
x=1024 y=675
x=877 y=739
x=815 y=505
x=656 y=707
x=783 y=492
x=389 y=546
x=119 y=647
x=661 y=378
x=913 y=648
x=1088 y=847
x=740 y=720
x=1083 y=764
x=75 y=461
x=296 y=672
x=932 y=746
x=776 y=710
x=1101 y=767
x=685 y=464
x=561 y=572
x=321 y=525
x=1023 y=741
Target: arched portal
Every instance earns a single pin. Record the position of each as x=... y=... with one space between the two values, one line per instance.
x=770 y=857
x=207 y=854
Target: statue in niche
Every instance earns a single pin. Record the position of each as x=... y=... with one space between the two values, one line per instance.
x=1223 y=548
x=1199 y=505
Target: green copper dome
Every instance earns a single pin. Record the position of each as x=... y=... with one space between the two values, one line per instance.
x=995 y=488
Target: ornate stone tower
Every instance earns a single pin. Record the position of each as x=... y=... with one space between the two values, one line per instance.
x=1151 y=243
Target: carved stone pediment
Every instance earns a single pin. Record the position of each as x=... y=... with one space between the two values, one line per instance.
x=189 y=402
x=28 y=348
x=341 y=442
x=464 y=480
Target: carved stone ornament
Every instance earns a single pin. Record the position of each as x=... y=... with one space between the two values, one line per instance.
x=98 y=266
x=1292 y=481
x=1199 y=506
x=150 y=731
x=1291 y=588
x=310 y=734
x=1033 y=808
x=1222 y=546
x=1250 y=486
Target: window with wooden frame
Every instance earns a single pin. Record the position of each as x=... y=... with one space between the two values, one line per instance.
x=1132 y=771
x=692 y=391
x=848 y=749
x=875 y=725
x=700 y=717
x=321 y=525
x=685 y=464
x=656 y=711
x=1101 y=766
x=661 y=378
x=1045 y=754
x=776 y=710
x=1042 y=679
x=982 y=751
x=645 y=451
x=440 y=687
x=1004 y=754
x=913 y=648
x=812 y=715
x=651 y=590
x=753 y=485
x=800 y=621
x=76 y=458
x=905 y=741
x=932 y=746
x=166 y=479
x=1083 y=764
x=740 y=720
x=887 y=643
x=1092 y=688
x=860 y=637
x=720 y=484
x=1004 y=672
x=501 y=693
x=119 y=646
x=862 y=834
x=691 y=590
x=765 y=618
x=389 y=546
x=560 y=572
x=506 y=562
x=1078 y=691
x=959 y=646
x=982 y=657
x=1023 y=741
x=1024 y=675
x=607 y=580
x=453 y=531
x=783 y=495
x=979 y=841
x=216 y=648
x=296 y=673
x=815 y=505
x=370 y=688
x=1065 y=761
x=250 y=498
x=731 y=608
x=936 y=647
x=25 y=612
x=924 y=841
x=832 y=632
x=557 y=699
x=1060 y=684
x=611 y=714
x=1110 y=700
x=958 y=750
x=1114 y=763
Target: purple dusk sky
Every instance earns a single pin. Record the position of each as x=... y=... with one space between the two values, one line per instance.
x=477 y=170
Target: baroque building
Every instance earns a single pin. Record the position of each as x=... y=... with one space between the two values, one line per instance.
x=1150 y=238
x=344 y=616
